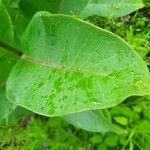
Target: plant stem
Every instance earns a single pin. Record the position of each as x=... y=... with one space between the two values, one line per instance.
x=128 y=140
x=10 y=48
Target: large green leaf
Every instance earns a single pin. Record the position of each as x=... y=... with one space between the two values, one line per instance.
x=94 y=121
x=83 y=8
x=72 y=66
x=111 y=8
x=7 y=59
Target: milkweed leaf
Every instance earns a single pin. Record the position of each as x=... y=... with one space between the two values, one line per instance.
x=72 y=66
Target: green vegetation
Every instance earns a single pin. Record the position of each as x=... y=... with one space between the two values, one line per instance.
x=123 y=127
x=37 y=132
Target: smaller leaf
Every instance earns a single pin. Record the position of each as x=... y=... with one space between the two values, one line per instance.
x=96 y=138
x=12 y=7
x=121 y=120
x=124 y=111
x=112 y=140
x=16 y=115
x=111 y=8
x=137 y=108
x=29 y=8
x=143 y=126
x=83 y=8
x=6 y=107
x=102 y=147
x=94 y=121
x=6 y=28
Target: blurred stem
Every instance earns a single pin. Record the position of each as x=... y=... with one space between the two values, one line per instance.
x=128 y=140
x=10 y=48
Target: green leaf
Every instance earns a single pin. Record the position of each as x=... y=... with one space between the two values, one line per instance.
x=25 y=13
x=6 y=28
x=5 y=106
x=17 y=114
x=73 y=7
x=112 y=140
x=96 y=138
x=11 y=3
x=54 y=6
x=21 y=23
x=124 y=111
x=94 y=121
x=143 y=126
x=72 y=66
x=29 y=8
x=12 y=7
x=121 y=120
x=111 y=8
x=7 y=59
x=102 y=146
x=83 y=8
x=9 y=112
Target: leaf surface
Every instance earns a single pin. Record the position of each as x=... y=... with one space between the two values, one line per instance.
x=72 y=66
x=6 y=28
x=16 y=115
x=111 y=8
x=5 y=106
x=12 y=7
x=83 y=8
x=94 y=121
x=7 y=59
x=38 y=5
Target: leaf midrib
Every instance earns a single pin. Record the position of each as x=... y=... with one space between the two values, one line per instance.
x=75 y=70
x=60 y=67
